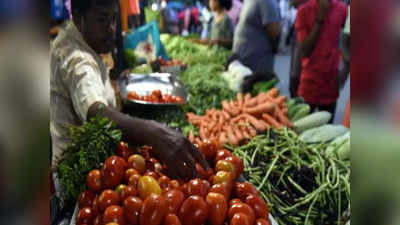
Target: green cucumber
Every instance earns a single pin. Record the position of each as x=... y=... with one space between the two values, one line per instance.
x=304 y=110
x=313 y=120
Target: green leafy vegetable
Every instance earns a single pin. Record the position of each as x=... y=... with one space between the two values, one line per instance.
x=92 y=144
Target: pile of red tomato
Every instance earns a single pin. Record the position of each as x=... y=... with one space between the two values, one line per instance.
x=156 y=97
x=132 y=189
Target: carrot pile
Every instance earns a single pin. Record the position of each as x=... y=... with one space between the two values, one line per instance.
x=241 y=119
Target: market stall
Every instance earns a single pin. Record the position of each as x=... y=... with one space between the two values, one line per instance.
x=271 y=161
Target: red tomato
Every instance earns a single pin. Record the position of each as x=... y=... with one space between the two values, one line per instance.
x=207 y=185
x=171 y=219
x=174 y=184
x=240 y=219
x=128 y=173
x=163 y=181
x=242 y=208
x=242 y=190
x=193 y=211
x=165 y=190
x=153 y=210
x=238 y=163
x=134 y=180
x=222 y=154
x=183 y=188
x=151 y=174
x=263 y=222
x=114 y=214
x=112 y=172
x=123 y=151
x=174 y=199
x=208 y=148
x=132 y=206
x=95 y=206
x=234 y=201
x=158 y=168
x=108 y=198
x=204 y=174
x=217 y=208
x=85 y=216
x=224 y=165
x=127 y=192
x=222 y=189
x=120 y=188
x=133 y=95
x=116 y=164
x=98 y=220
x=197 y=187
x=148 y=185
x=86 y=199
x=259 y=206
x=93 y=180
x=179 y=99
x=137 y=162
x=157 y=94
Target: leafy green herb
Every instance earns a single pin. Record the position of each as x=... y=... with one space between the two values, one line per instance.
x=92 y=144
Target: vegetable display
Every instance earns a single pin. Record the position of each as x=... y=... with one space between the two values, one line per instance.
x=92 y=144
x=301 y=184
x=207 y=89
x=193 y=54
x=157 y=97
x=135 y=189
x=241 y=119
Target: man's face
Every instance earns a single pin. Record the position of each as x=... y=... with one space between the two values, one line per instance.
x=100 y=27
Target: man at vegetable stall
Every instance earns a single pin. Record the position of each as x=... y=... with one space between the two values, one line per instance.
x=81 y=89
x=257 y=35
x=318 y=25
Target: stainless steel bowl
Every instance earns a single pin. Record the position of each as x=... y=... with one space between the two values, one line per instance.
x=144 y=85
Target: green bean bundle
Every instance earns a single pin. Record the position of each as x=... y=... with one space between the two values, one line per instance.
x=300 y=183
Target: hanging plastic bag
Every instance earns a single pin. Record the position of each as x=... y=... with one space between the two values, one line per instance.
x=146 y=43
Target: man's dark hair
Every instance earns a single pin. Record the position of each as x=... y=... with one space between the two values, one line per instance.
x=83 y=6
x=226 y=4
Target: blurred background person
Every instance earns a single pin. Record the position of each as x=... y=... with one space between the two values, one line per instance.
x=222 y=29
x=295 y=56
x=234 y=12
x=257 y=36
x=133 y=14
x=169 y=19
x=318 y=26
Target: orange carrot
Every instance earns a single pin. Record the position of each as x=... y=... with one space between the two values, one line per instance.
x=252 y=102
x=266 y=107
x=245 y=134
x=247 y=98
x=285 y=111
x=271 y=121
x=226 y=106
x=222 y=138
x=237 y=118
x=282 y=118
x=265 y=124
x=252 y=131
x=256 y=124
x=191 y=136
x=238 y=133
x=231 y=137
x=226 y=115
x=274 y=92
x=240 y=99
x=202 y=134
x=280 y=100
x=232 y=104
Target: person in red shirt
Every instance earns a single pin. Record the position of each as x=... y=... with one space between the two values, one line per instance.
x=318 y=25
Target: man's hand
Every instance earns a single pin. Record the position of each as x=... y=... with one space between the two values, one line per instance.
x=177 y=152
x=323 y=7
